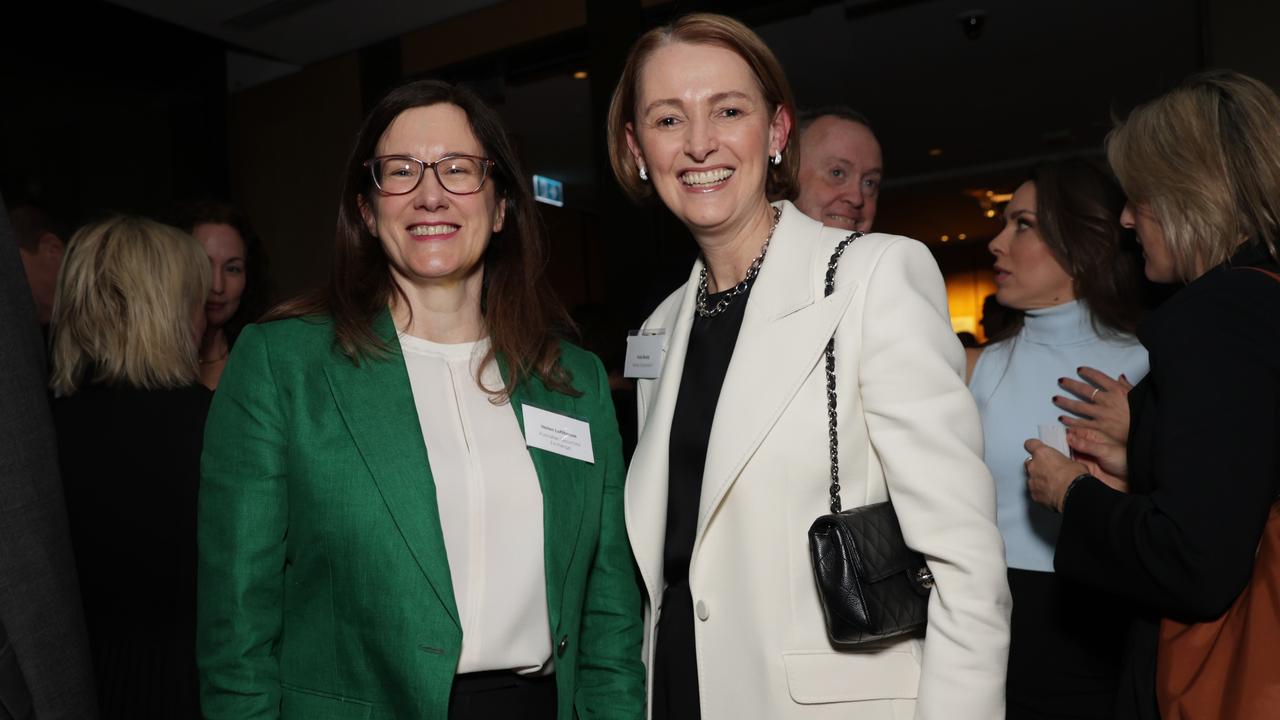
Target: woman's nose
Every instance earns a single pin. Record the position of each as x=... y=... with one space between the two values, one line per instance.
x=701 y=140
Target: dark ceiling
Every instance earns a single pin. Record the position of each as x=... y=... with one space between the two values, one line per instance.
x=1041 y=79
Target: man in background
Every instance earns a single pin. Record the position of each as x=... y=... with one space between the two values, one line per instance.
x=840 y=168
x=41 y=245
x=45 y=670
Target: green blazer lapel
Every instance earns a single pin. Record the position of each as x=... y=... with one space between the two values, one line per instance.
x=563 y=481
x=376 y=403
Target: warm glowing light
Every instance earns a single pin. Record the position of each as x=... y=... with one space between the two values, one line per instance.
x=990 y=213
x=935 y=152
x=962 y=236
x=580 y=75
x=945 y=238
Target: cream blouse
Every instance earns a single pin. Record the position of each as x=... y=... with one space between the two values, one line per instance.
x=490 y=506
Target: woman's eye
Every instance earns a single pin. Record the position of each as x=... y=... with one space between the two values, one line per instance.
x=235 y=270
x=665 y=122
x=1023 y=224
x=731 y=112
x=838 y=173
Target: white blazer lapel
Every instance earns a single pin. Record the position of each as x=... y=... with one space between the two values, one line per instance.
x=784 y=331
x=646 y=489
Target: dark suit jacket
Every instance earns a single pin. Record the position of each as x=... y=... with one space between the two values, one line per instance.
x=44 y=659
x=1204 y=465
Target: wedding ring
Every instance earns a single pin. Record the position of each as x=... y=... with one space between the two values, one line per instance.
x=1094 y=395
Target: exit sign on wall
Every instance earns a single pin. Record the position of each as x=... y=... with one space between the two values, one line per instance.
x=548 y=191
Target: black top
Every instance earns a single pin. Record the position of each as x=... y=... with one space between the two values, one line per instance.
x=131 y=470
x=711 y=343
x=1204 y=465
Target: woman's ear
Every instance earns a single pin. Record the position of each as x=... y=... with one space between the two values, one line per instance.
x=366 y=214
x=500 y=215
x=634 y=146
x=779 y=130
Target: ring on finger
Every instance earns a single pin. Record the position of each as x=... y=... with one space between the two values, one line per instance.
x=1094 y=395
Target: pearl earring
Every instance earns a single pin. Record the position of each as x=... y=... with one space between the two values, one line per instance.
x=644 y=174
x=777 y=158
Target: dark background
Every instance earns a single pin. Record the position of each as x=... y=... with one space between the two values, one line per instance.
x=108 y=108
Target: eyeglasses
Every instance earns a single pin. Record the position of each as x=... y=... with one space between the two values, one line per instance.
x=401 y=174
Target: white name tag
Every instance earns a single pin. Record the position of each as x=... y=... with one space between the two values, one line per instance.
x=557 y=433
x=645 y=352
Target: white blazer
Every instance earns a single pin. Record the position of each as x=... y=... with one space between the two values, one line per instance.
x=908 y=430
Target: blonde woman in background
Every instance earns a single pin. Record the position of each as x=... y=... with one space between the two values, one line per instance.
x=129 y=410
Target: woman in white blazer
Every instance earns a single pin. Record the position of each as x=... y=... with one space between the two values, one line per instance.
x=732 y=462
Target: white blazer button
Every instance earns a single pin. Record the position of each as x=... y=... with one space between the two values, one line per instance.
x=701 y=610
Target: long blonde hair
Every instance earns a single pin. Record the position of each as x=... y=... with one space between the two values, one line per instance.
x=1205 y=157
x=123 y=310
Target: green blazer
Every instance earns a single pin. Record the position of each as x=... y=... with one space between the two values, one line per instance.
x=324 y=590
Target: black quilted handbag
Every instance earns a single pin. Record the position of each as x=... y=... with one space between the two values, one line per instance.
x=872 y=586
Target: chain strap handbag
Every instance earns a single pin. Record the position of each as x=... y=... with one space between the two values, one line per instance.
x=871 y=585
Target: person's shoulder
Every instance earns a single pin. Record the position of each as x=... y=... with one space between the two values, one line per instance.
x=310 y=333
x=578 y=359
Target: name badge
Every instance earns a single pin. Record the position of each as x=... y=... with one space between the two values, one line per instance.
x=557 y=433
x=645 y=353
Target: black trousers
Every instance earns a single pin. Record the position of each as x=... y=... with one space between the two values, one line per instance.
x=1066 y=646
x=502 y=694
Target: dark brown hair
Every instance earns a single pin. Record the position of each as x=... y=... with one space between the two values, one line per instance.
x=190 y=213
x=1078 y=211
x=702 y=29
x=524 y=319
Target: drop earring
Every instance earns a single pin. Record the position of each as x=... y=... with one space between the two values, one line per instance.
x=777 y=158
x=644 y=174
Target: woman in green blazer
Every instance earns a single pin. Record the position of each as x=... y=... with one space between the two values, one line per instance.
x=411 y=502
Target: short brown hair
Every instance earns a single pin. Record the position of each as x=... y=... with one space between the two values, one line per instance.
x=1206 y=158
x=702 y=29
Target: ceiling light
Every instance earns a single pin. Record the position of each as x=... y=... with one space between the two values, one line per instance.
x=580 y=75
x=962 y=236
x=945 y=238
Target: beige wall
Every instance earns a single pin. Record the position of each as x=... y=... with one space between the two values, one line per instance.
x=289 y=139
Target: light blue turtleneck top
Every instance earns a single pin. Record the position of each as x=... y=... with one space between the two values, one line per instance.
x=1014 y=382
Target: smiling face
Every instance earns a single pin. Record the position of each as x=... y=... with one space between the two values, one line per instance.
x=431 y=236
x=1160 y=266
x=704 y=133
x=1028 y=276
x=226 y=250
x=840 y=171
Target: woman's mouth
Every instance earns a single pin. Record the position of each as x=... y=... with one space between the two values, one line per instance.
x=434 y=230
x=705 y=179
